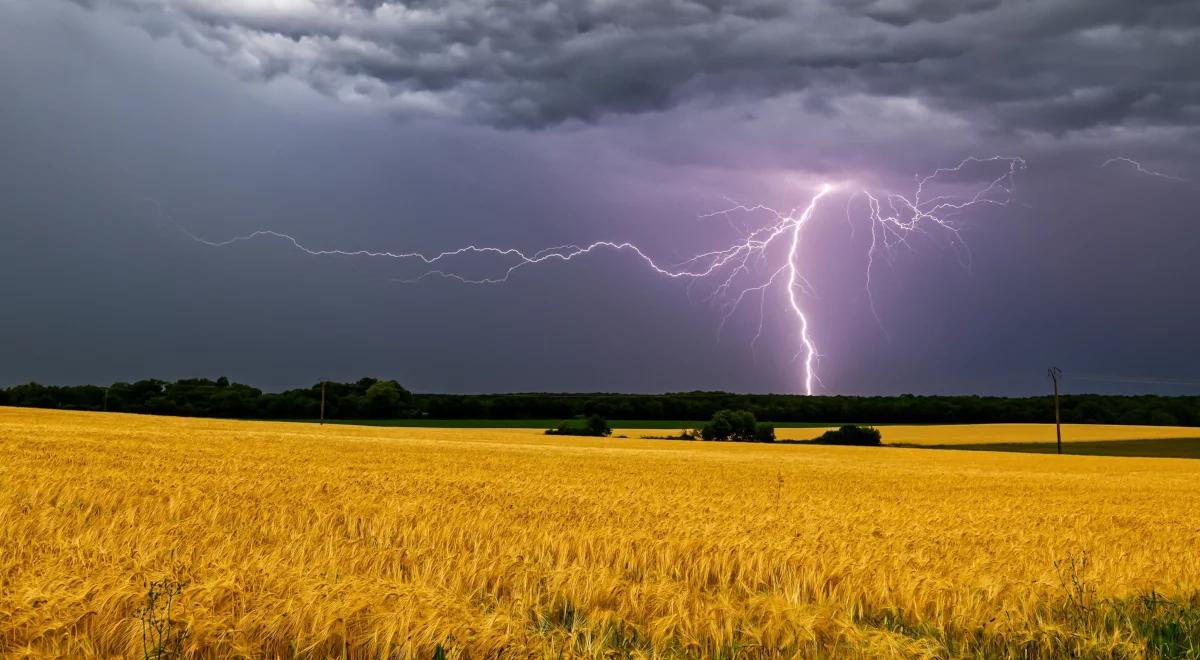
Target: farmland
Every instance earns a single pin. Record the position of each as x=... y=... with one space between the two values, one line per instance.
x=282 y=539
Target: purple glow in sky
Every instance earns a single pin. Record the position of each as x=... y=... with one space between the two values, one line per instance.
x=387 y=137
x=892 y=218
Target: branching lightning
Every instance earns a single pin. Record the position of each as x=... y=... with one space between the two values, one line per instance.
x=894 y=217
x=1137 y=166
x=763 y=258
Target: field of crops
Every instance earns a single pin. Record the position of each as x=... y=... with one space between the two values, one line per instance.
x=278 y=539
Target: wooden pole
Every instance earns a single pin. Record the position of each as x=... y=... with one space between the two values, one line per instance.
x=1055 y=376
x=323 y=404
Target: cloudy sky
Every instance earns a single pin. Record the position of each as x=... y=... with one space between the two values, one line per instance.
x=132 y=131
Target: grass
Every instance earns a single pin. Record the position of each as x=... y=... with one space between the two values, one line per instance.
x=136 y=536
x=1151 y=448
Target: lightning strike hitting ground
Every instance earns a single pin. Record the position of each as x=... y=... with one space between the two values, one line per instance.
x=752 y=265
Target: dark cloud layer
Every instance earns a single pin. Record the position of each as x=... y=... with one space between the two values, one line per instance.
x=124 y=120
x=1009 y=65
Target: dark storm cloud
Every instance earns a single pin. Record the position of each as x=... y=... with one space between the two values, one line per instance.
x=906 y=13
x=1009 y=65
x=127 y=120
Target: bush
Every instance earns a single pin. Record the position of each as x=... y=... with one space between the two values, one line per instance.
x=738 y=426
x=597 y=425
x=852 y=435
x=594 y=425
x=764 y=432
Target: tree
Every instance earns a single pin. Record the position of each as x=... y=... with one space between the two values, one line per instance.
x=1162 y=418
x=852 y=435
x=33 y=395
x=720 y=428
x=597 y=425
x=737 y=425
x=383 y=400
x=764 y=432
x=594 y=425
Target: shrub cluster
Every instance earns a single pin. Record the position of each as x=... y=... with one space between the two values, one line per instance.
x=850 y=434
x=738 y=426
x=594 y=425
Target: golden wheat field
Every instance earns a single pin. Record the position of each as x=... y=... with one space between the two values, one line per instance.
x=293 y=539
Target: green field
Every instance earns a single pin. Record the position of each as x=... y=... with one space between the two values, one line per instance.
x=1158 y=448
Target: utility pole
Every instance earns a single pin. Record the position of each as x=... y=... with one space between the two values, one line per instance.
x=1055 y=377
x=323 y=403
x=106 y=399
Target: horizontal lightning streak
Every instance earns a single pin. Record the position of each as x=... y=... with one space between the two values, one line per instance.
x=892 y=218
x=1141 y=169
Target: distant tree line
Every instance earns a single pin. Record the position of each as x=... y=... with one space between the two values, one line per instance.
x=367 y=398
x=907 y=408
x=370 y=398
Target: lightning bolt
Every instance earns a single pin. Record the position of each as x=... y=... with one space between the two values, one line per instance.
x=1143 y=170
x=751 y=265
x=894 y=217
